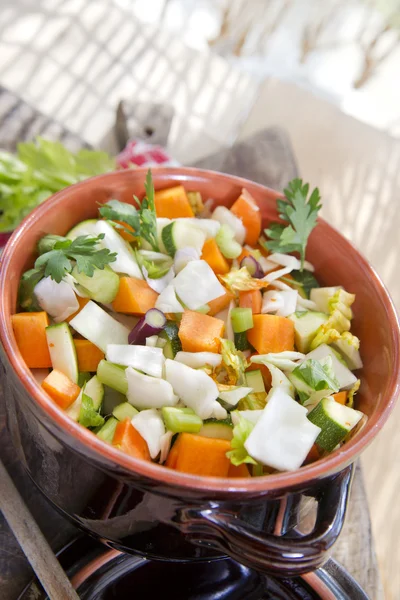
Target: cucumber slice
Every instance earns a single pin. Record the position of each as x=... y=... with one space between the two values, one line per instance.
x=124 y=411
x=335 y=421
x=95 y=390
x=208 y=226
x=306 y=325
x=222 y=430
x=179 y=234
x=170 y=334
x=83 y=228
x=97 y=326
x=101 y=287
x=62 y=350
x=106 y=432
x=254 y=379
x=241 y=341
x=113 y=376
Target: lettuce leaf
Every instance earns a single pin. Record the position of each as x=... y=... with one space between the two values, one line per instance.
x=239 y=455
x=41 y=168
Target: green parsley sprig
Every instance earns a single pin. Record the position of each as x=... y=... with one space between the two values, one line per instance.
x=300 y=214
x=142 y=221
x=59 y=257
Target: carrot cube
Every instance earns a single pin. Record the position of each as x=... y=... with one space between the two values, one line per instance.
x=220 y=303
x=88 y=355
x=135 y=297
x=199 y=455
x=271 y=333
x=30 y=335
x=251 y=299
x=61 y=389
x=172 y=203
x=200 y=333
x=249 y=212
x=214 y=257
x=240 y=471
x=340 y=397
x=129 y=440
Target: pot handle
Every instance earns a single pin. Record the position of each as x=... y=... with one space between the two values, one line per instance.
x=266 y=552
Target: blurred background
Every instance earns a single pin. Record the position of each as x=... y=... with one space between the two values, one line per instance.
x=328 y=73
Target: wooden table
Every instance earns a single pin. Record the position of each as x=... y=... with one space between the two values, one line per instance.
x=267 y=158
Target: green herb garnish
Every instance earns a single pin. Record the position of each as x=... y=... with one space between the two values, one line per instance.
x=300 y=215
x=142 y=221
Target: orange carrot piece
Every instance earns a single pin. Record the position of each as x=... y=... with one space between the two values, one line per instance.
x=214 y=257
x=61 y=389
x=125 y=234
x=88 y=355
x=220 y=303
x=173 y=455
x=129 y=440
x=271 y=333
x=200 y=333
x=135 y=297
x=251 y=299
x=202 y=456
x=240 y=471
x=82 y=302
x=340 y=397
x=173 y=203
x=30 y=335
x=248 y=211
x=265 y=372
x=313 y=455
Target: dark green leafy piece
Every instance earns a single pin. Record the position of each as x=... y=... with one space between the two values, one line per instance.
x=114 y=210
x=88 y=416
x=300 y=217
x=317 y=375
x=27 y=284
x=306 y=279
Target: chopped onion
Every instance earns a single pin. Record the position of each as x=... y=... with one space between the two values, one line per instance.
x=183 y=257
x=145 y=391
x=195 y=388
x=226 y=217
x=57 y=299
x=253 y=266
x=165 y=444
x=159 y=285
x=197 y=284
x=152 y=429
x=143 y=358
x=197 y=360
x=282 y=303
x=150 y=324
x=167 y=301
x=151 y=342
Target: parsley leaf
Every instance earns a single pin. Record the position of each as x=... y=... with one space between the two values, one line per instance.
x=88 y=416
x=83 y=250
x=300 y=214
x=142 y=221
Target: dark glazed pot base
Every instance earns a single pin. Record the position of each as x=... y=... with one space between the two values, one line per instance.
x=100 y=574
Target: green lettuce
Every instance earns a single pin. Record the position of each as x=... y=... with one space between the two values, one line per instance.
x=88 y=416
x=39 y=169
x=239 y=455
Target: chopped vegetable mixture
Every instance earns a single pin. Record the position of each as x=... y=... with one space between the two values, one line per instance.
x=198 y=342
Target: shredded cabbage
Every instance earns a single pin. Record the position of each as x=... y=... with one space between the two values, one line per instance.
x=287 y=361
x=339 y=321
x=352 y=393
x=234 y=361
x=239 y=455
x=240 y=280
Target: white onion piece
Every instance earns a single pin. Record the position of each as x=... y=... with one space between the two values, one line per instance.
x=151 y=427
x=148 y=392
x=286 y=260
x=226 y=217
x=125 y=260
x=144 y=358
x=272 y=301
x=183 y=257
x=219 y=412
x=57 y=299
x=208 y=226
x=151 y=341
x=282 y=436
x=159 y=285
x=195 y=388
x=197 y=284
x=167 y=301
x=232 y=397
x=196 y=360
x=249 y=415
x=165 y=446
x=266 y=265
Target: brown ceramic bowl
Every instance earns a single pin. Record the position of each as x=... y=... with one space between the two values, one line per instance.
x=142 y=507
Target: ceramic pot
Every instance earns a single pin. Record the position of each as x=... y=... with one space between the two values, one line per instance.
x=281 y=524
